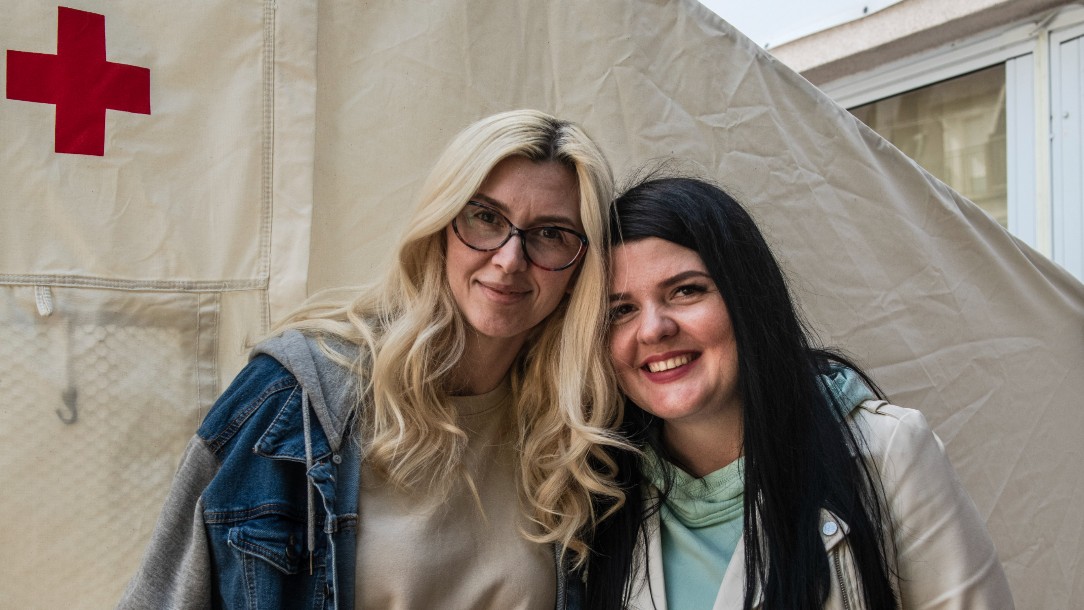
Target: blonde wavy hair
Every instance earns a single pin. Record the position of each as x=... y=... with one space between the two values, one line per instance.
x=412 y=335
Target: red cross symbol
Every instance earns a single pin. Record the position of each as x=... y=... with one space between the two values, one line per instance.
x=81 y=83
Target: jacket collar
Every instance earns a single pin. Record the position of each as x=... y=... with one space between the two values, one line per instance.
x=328 y=387
x=651 y=589
x=285 y=437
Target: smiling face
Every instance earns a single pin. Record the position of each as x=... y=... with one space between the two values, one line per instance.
x=501 y=295
x=671 y=341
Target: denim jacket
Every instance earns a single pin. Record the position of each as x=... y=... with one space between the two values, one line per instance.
x=263 y=511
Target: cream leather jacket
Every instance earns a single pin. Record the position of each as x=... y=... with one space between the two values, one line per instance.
x=945 y=557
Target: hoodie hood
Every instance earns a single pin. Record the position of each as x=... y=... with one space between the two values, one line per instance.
x=845 y=388
x=328 y=386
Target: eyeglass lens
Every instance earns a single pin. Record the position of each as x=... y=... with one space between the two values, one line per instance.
x=483 y=228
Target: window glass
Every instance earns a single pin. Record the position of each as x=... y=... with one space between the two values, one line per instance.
x=956 y=130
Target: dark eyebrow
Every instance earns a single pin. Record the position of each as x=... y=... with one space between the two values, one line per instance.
x=673 y=280
x=685 y=276
x=537 y=222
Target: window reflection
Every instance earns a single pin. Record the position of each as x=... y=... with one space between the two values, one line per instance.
x=956 y=130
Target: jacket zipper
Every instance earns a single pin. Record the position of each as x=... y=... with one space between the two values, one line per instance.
x=562 y=579
x=842 y=586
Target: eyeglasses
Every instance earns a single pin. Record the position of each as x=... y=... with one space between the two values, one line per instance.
x=482 y=228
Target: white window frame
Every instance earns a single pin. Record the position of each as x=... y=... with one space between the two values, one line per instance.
x=1024 y=49
x=1067 y=147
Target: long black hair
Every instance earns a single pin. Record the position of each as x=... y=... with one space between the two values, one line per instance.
x=799 y=458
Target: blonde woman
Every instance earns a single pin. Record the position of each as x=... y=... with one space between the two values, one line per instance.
x=426 y=444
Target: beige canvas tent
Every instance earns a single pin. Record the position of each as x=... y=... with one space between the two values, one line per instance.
x=284 y=139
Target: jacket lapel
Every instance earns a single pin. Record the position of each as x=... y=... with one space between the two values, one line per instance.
x=650 y=590
x=732 y=590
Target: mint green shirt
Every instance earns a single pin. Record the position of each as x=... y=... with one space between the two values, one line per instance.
x=701 y=523
x=701 y=520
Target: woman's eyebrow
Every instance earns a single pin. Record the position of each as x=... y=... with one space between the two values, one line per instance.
x=486 y=199
x=541 y=220
x=668 y=282
x=685 y=276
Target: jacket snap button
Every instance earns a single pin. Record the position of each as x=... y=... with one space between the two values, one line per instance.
x=829 y=528
x=338 y=459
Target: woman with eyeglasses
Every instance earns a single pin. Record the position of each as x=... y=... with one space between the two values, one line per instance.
x=773 y=473
x=425 y=445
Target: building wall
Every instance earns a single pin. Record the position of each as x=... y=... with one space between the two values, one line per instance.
x=901 y=30
x=1039 y=44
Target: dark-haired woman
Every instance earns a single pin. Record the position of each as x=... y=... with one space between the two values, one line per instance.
x=748 y=493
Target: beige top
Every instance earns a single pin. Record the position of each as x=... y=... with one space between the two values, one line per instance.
x=417 y=553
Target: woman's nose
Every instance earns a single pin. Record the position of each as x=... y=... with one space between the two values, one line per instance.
x=510 y=257
x=656 y=324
